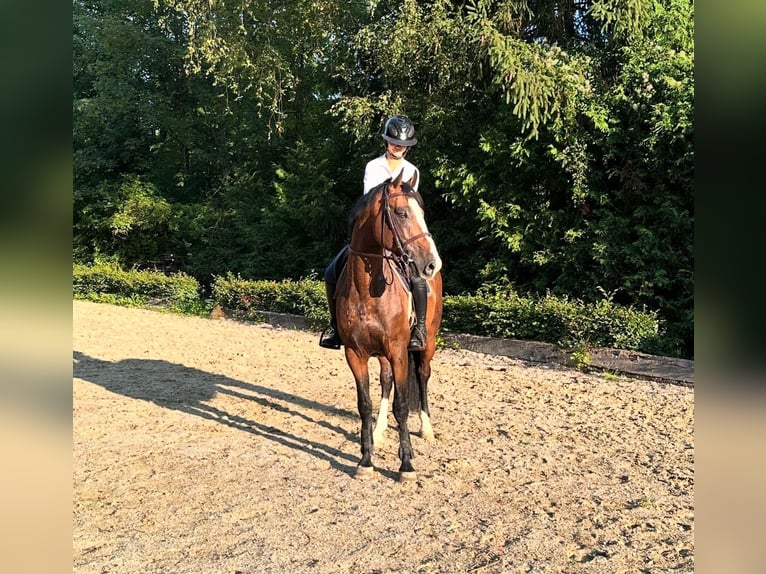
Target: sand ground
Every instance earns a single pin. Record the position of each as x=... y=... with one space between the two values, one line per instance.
x=211 y=446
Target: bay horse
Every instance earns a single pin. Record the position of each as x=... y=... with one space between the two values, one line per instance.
x=389 y=239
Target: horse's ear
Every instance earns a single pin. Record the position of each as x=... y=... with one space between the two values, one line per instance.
x=413 y=180
x=398 y=179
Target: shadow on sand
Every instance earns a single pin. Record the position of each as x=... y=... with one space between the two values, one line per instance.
x=186 y=389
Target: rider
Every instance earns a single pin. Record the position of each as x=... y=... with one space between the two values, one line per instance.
x=399 y=134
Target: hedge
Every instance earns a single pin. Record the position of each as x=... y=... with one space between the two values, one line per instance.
x=108 y=282
x=246 y=298
x=567 y=323
x=570 y=324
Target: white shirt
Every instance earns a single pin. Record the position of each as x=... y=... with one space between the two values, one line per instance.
x=377 y=172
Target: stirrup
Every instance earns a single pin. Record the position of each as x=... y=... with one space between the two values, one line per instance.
x=332 y=341
x=418 y=340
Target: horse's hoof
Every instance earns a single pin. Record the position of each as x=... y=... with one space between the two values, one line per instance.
x=363 y=471
x=408 y=476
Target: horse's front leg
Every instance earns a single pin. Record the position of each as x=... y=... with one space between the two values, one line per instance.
x=386 y=382
x=361 y=373
x=401 y=413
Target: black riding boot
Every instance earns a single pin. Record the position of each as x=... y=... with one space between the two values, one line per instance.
x=419 y=336
x=331 y=340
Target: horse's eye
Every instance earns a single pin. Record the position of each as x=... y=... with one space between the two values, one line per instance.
x=401 y=213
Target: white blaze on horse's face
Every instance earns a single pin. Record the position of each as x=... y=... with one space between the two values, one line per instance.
x=428 y=262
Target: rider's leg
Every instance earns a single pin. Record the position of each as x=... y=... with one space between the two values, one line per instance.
x=331 y=340
x=419 y=336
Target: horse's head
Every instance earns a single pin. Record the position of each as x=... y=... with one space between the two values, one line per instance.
x=395 y=221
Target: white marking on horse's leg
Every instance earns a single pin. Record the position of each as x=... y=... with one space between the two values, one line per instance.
x=363 y=471
x=426 y=430
x=382 y=423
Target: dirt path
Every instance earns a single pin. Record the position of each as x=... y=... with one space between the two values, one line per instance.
x=208 y=447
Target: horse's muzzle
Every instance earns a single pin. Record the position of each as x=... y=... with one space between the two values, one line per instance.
x=430 y=268
x=425 y=257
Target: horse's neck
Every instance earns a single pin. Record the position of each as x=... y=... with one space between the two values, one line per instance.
x=367 y=275
x=366 y=265
x=362 y=269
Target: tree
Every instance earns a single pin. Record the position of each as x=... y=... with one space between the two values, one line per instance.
x=594 y=194
x=555 y=138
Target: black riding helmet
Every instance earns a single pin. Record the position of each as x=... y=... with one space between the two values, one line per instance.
x=399 y=130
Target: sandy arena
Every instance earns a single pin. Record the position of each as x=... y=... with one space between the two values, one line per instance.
x=212 y=446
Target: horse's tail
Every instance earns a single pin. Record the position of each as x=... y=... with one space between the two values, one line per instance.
x=413 y=381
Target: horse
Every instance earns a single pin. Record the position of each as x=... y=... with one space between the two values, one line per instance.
x=389 y=239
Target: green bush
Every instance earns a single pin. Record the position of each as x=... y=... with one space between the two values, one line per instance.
x=503 y=314
x=569 y=324
x=102 y=281
x=245 y=298
x=500 y=313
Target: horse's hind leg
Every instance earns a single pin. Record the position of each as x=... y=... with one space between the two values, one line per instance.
x=359 y=367
x=386 y=382
x=423 y=373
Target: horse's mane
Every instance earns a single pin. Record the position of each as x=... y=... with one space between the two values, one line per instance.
x=367 y=199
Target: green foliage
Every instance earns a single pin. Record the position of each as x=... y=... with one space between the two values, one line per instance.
x=570 y=324
x=544 y=83
x=559 y=320
x=114 y=299
x=272 y=56
x=109 y=282
x=581 y=358
x=300 y=218
x=245 y=298
x=497 y=313
x=555 y=140
x=142 y=218
x=622 y=18
x=584 y=184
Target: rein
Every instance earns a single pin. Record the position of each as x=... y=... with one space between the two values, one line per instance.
x=397 y=254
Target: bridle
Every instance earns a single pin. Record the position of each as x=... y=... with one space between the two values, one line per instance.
x=397 y=254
